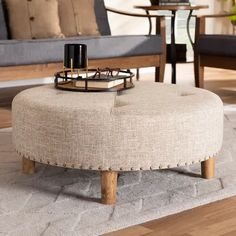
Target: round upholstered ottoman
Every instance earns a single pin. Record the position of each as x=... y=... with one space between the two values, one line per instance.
x=151 y=126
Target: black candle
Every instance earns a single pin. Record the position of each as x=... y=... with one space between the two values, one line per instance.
x=75 y=56
x=155 y=2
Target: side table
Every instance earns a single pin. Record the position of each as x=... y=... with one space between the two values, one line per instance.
x=173 y=9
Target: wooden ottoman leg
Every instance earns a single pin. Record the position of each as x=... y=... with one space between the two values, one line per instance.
x=108 y=186
x=28 y=166
x=208 y=168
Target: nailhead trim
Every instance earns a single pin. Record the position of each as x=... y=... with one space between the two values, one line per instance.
x=79 y=166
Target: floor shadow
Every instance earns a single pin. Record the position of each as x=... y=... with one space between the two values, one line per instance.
x=187 y=173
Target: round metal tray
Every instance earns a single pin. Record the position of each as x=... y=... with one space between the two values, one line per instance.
x=69 y=79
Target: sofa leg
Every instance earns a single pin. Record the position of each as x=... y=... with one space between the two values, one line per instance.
x=108 y=187
x=28 y=166
x=208 y=168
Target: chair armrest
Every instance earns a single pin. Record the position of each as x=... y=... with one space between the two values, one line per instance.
x=201 y=21
x=132 y=14
x=218 y=15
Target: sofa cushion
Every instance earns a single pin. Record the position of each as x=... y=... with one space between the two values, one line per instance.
x=219 y=45
x=77 y=17
x=33 y=19
x=17 y=52
x=3 y=25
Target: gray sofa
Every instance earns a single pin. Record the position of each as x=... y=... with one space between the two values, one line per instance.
x=22 y=59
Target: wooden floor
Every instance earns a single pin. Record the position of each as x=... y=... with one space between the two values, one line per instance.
x=216 y=219
x=6 y=97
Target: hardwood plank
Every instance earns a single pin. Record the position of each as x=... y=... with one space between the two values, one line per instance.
x=134 y=231
x=213 y=219
x=5 y=117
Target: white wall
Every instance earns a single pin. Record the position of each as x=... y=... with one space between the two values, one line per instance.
x=126 y=24
x=129 y=25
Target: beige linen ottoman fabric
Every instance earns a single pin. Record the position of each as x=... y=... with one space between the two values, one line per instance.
x=152 y=126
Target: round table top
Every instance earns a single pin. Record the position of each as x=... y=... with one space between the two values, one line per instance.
x=172 y=7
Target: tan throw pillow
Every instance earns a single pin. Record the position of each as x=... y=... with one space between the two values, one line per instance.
x=77 y=17
x=33 y=19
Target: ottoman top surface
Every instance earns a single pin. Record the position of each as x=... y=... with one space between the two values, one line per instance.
x=147 y=98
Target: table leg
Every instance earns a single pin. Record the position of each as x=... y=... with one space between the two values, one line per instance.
x=188 y=28
x=150 y=23
x=173 y=48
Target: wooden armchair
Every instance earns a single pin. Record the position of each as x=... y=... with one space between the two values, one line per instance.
x=212 y=50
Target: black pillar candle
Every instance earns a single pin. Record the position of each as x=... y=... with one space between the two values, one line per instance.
x=155 y=2
x=75 y=56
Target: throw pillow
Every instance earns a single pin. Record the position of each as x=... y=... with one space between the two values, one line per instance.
x=33 y=19
x=77 y=17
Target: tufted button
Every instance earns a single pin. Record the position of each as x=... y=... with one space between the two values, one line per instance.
x=32 y=18
x=184 y=94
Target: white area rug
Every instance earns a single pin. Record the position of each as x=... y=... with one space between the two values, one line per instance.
x=58 y=201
